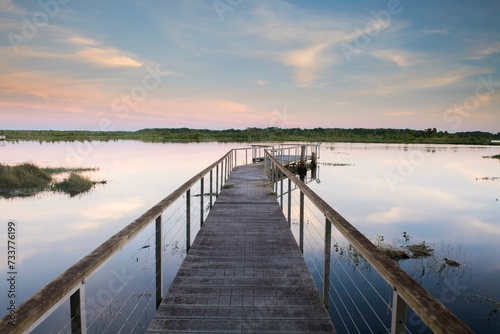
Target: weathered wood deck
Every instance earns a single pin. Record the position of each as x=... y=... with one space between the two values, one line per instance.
x=244 y=272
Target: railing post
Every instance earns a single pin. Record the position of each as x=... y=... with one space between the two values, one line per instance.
x=159 y=264
x=276 y=179
x=326 y=272
x=281 y=192
x=77 y=311
x=217 y=180
x=226 y=172
x=398 y=323
x=211 y=187
x=188 y=220
x=246 y=156
x=301 y=243
x=222 y=174
x=289 y=202
x=202 y=202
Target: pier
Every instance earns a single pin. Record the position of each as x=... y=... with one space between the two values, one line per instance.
x=241 y=233
x=244 y=272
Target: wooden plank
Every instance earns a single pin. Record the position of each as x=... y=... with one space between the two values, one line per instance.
x=244 y=272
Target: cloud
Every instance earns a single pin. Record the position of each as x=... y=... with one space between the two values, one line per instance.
x=78 y=40
x=45 y=90
x=112 y=210
x=262 y=82
x=490 y=50
x=107 y=57
x=436 y=31
x=308 y=63
x=486 y=228
x=414 y=79
x=392 y=216
x=398 y=57
x=7 y=6
x=399 y=113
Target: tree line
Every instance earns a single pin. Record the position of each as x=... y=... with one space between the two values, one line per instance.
x=381 y=135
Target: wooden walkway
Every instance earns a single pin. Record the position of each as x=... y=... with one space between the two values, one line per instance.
x=244 y=272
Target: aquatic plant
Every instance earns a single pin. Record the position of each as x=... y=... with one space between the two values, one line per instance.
x=75 y=184
x=28 y=179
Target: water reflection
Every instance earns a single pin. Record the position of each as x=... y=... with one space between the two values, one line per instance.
x=433 y=195
x=437 y=200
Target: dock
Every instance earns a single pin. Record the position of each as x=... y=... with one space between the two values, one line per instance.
x=244 y=272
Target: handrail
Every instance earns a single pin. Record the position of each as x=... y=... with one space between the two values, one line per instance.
x=29 y=313
x=434 y=314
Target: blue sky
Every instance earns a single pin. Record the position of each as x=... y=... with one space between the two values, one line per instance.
x=127 y=65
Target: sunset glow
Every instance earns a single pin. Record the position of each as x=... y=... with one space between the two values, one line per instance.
x=237 y=64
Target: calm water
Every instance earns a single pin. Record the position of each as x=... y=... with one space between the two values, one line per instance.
x=437 y=194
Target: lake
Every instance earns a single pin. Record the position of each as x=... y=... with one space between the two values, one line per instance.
x=447 y=196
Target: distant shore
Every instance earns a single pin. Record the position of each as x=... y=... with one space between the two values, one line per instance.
x=359 y=135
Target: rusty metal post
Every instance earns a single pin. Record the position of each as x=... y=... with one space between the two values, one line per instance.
x=326 y=272
x=211 y=188
x=159 y=262
x=289 y=202
x=188 y=220
x=301 y=243
x=202 y=202
x=77 y=311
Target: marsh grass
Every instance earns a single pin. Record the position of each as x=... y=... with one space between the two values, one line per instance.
x=22 y=180
x=28 y=179
x=496 y=156
x=75 y=184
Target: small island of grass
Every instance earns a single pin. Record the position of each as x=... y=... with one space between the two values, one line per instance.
x=496 y=156
x=28 y=179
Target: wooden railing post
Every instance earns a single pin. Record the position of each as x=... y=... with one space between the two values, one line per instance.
x=77 y=311
x=202 y=202
x=326 y=272
x=159 y=263
x=398 y=323
x=188 y=220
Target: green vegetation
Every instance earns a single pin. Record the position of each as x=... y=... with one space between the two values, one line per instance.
x=28 y=179
x=262 y=135
x=497 y=156
x=397 y=251
x=22 y=180
x=75 y=184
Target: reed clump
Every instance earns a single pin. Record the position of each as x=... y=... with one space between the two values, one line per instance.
x=28 y=179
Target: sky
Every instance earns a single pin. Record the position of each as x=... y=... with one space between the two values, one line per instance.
x=220 y=64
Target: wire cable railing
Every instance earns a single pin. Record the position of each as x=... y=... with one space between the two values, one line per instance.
x=352 y=276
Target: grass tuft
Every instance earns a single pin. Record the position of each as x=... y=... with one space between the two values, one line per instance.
x=22 y=180
x=75 y=184
x=28 y=179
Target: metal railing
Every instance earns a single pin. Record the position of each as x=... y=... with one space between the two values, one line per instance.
x=72 y=283
x=406 y=291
